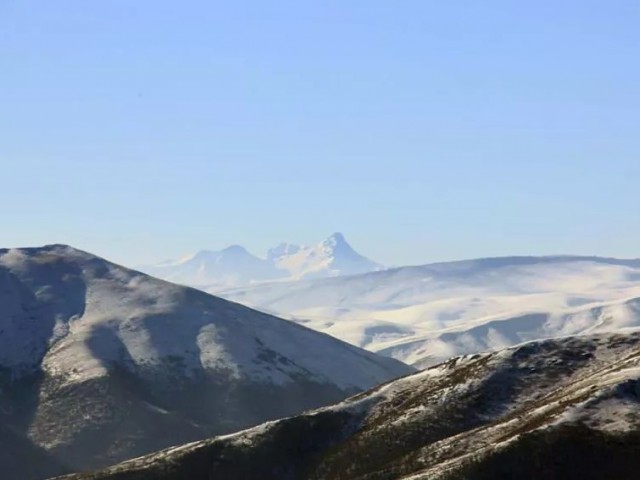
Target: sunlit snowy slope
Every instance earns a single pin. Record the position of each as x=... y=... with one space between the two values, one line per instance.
x=99 y=363
x=424 y=314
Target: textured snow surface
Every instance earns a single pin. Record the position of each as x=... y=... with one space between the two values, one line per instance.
x=425 y=314
x=235 y=266
x=99 y=363
x=76 y=314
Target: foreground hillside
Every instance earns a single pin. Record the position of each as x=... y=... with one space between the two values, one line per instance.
x=425 y=314
x=556 y=409
x=99 y=363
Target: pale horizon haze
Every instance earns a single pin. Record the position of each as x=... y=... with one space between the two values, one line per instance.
x=424 y=131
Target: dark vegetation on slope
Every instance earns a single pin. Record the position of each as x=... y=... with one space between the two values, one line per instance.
x=446 y=423
x=392 y=449
x=565 y=453
x=288 y=450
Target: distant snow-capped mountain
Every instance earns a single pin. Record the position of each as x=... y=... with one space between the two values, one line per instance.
x=235 y=266
x=331 y=258
x=99 y=363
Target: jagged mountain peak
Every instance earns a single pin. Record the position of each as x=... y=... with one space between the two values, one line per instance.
x=336 y=239
x=329 y=258
x=234 y=266
x=337 y=244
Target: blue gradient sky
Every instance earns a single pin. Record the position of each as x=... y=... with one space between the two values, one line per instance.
x=423 y=130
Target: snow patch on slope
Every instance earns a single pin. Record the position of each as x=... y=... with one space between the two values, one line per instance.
x=77 y=315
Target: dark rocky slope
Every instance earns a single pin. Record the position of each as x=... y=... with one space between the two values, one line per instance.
x=556 y=409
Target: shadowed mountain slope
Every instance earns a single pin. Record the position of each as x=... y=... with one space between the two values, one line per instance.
x=99 y=363
x=566 y=408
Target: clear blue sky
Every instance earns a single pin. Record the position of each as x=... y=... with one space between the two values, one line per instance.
x=424 y=130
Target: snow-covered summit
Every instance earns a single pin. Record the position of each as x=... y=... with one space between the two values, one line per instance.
x=330 y=258
x=336 y=243
x=59 y=303
x=234 y=266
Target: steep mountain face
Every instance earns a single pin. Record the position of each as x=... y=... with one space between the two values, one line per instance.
x=234 y=266
x=99 y=363
x=557 y=409
x=424 y=314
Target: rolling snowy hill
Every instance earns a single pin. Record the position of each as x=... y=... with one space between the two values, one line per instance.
x=556 y=409
x=235 y=266
x=99 y=363
x=425 y=314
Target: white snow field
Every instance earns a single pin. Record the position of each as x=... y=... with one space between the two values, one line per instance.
x=424 y=314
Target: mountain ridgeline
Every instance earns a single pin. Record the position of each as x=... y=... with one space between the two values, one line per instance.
x=234 y=266
x=555 y=409
x=99 y=363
